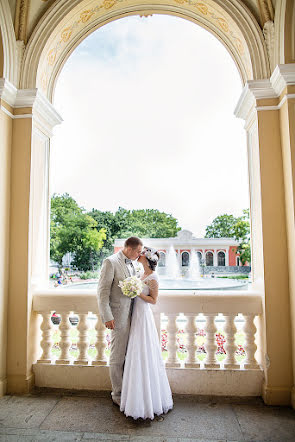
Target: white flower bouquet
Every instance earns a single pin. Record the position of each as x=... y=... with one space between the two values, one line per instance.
x=131 y=286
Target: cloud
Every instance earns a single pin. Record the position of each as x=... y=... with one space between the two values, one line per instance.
x=148 y=122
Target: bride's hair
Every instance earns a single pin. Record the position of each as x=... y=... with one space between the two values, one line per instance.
x=153 y=263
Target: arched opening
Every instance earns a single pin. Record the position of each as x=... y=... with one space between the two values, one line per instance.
x=221 y=258
x=162 y=260
x=185 y=259
x=209 y=259
x=258 y=70
x=199 y=256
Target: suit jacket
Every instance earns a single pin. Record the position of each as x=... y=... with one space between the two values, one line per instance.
x=112 y=304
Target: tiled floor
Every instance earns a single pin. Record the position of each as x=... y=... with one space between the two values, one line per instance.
x=61 y=416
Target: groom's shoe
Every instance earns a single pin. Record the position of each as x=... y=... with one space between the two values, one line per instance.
x=116 y=400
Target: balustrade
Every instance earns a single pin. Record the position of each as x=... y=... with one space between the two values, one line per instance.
x=170 y=306
x=191 y=330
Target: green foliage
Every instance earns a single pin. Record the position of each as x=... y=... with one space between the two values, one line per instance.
x=72 y=230
x=228 y=226
x=90 y=236
x=145 y=223
x=89 y=275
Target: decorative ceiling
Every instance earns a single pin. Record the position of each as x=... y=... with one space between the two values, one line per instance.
x=27 y=13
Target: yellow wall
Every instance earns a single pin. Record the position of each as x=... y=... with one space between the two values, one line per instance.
x=289 y=42
x=277 y=308
x=1 y=58
x=18 y=315
x=287 y=116
x=5 y=160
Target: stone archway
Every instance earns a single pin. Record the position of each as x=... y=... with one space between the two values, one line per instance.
x=62 y=29
x=267 y=102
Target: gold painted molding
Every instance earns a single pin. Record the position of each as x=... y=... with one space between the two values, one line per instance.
x=266 y=11
x=21 y=18
x=68 y=30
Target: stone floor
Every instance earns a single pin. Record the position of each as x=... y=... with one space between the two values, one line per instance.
x=50 y=415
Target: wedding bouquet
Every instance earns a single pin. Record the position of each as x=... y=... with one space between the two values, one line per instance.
x=131 y=286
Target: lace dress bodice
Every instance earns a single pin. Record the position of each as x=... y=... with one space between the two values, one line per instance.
x=147 y=280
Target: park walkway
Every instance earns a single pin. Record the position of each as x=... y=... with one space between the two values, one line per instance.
x=50 y=415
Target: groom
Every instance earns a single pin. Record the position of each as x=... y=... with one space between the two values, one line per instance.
x=115 y=308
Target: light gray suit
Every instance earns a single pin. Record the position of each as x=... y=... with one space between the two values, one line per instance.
x=113 y=304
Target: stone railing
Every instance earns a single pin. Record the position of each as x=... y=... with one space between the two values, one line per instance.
x=174 y=310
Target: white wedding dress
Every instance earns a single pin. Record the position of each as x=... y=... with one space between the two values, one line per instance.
x=145 y=389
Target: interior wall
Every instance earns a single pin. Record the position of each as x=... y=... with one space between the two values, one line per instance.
x=5 y=161
x=1 y=57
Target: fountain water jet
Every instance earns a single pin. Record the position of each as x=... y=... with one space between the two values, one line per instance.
x=172 y=265
x=194 y=267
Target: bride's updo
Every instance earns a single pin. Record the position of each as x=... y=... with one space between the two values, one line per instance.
x=152 y=257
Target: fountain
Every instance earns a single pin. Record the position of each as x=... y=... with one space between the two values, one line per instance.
x=172 y=279
x=172 y=265
x=194 y=267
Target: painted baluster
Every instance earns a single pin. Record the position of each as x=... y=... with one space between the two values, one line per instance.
x=230 y=330
x=250 y=346
x=172 y=346
x=65 y=342
x=83 y=343
x=210 y=342
x=100 y=343
x=191 y=330
x=46 y=342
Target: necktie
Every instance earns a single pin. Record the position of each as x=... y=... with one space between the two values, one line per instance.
x=131 y=268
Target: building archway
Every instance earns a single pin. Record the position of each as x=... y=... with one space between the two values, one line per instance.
x=62 y=30
x=265 y=102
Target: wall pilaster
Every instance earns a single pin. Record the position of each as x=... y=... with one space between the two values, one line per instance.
x=33 y=118
x=260 y=106
x=5 y=160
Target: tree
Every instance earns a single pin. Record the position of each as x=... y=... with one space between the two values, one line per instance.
x=223 y=226
x=228 y=226
x=74 y=231
x=145 y=223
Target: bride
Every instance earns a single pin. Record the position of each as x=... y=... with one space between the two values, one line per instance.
x=145 y=389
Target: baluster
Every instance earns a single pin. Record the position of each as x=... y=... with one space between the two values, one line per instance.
x=210 y=342
x=230 y=330
x=250 y=346
x=65 y=342
x=172 y=346
x=191 y=330
x=100 y=343
x=83 y=343
x=46 y=342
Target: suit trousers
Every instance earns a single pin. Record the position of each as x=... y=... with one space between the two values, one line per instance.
x=119 y=342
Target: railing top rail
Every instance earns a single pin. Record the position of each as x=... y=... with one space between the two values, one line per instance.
x=168 y=302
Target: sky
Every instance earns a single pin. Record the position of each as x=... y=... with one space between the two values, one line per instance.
x=148 y=106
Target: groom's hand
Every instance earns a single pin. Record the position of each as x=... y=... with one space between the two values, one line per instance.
x=110 y=324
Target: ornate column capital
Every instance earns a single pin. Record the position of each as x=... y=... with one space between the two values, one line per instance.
x=42 y=111
x=283 y=76
x=7 y=92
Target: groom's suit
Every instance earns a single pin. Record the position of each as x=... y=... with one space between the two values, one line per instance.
x=113 y=304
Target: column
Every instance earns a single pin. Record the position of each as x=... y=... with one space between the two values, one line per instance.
x=260 y=106
x=6 y=122
x=33 y=119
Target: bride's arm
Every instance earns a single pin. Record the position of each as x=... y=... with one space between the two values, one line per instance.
x=153 y=295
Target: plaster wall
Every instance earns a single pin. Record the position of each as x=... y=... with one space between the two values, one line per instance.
x=18 y=315
x=1 y=58
x=5 y=160
x=287 y=115
x=276 y=303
